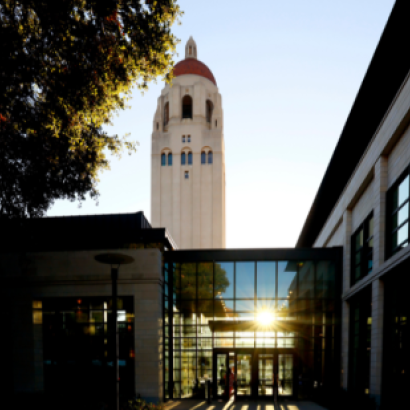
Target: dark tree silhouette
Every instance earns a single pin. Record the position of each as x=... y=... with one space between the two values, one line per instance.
x=67 y=66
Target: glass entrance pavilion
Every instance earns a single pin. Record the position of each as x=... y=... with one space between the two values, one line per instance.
x=260 y=315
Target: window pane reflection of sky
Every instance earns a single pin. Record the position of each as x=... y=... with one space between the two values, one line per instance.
x=286 y=279
x=266 y=274
x=245 y=279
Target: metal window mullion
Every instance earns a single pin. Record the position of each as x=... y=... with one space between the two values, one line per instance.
x=254 y=298
x=400 y=226
x=234 y=299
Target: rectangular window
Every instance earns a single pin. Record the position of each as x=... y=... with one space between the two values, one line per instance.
x=189 y=138
x=183 y=138
x=186 y=174
x=362 y=250
x=398 y=215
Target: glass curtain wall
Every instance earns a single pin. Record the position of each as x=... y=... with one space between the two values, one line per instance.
x=299 y=297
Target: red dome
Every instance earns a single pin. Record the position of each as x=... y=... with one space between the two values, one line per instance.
x=193 y=66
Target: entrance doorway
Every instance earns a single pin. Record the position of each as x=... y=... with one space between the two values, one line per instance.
x=254 y=371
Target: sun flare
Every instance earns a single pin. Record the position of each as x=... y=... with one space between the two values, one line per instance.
x=265 y=317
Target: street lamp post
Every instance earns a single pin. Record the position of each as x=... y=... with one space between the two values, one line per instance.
x=114 y=259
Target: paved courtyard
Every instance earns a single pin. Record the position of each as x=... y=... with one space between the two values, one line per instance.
x=241 y=405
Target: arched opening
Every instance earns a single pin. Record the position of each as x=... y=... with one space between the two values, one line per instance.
x=209 y=108
x=163 y=160
x=203 y=157
x=157 y=125
x=187 y=107
x=183 y=158
x=210 y=157
x=166 y=114
x=189 y=158
x=170 y=159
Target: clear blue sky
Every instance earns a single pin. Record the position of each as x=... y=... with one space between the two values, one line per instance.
x=288 y=72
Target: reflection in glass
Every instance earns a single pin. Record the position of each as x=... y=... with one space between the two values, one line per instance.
x=306 y=280
x=204 y=365
x=243 y=371
x=245 y=305
x=245 y=342
x=285 y=375
x=223 y=309
x=325 y=279
x=245 y=280
x=205 y=280
x=265 y=374
x=188 y=281
x=266 y=280
x=208 y=294
x=221 y=374
x=287 y=274
x=266 y=305
x=403 y=191
x=402 y=234
x=224 y=280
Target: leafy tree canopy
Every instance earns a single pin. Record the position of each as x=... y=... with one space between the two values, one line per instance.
x=67 y=66
x=202 y=281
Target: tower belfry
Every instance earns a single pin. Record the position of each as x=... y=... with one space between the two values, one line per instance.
x=188 y=157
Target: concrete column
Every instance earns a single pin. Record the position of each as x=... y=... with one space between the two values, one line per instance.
x=148 y=341
x=377 y=340
x=379 y=210
x=347 y=232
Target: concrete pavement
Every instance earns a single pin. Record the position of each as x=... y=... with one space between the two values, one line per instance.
x=242 y=405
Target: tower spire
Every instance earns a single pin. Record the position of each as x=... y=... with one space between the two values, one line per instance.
x=190 y=49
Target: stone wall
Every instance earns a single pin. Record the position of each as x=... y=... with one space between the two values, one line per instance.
x=34 y=276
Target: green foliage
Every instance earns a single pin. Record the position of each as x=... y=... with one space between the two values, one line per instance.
x=67 y=66
x=203 y=278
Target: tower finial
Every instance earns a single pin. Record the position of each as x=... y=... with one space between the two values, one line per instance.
x=190 y=49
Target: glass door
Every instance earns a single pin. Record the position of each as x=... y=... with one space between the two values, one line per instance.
x=285 y=375
x=244 y=374
x=225 y=371
x=265 y=374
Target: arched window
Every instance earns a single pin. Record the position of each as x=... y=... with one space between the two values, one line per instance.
x=170 y=159
x=209 y=108
x=203 y=157
x=157 y=125
x=210 y=157
x=166 y=114
x=189 y=158
x=187 y=107
x=183 y=158
x=163 y=160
